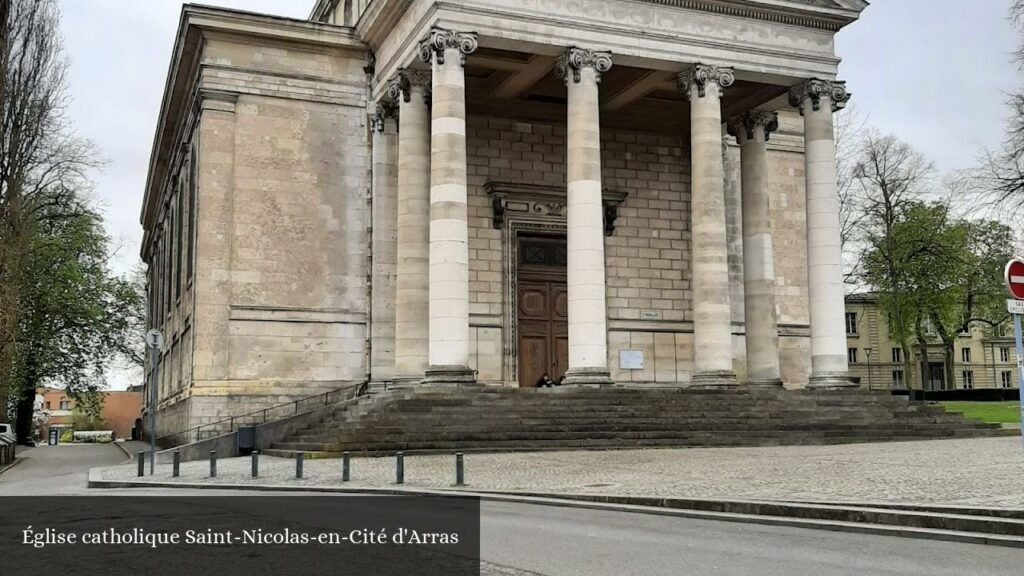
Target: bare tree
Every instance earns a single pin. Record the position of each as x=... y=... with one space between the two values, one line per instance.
x=849 y=132
x=1000 y=176
x=38 y=151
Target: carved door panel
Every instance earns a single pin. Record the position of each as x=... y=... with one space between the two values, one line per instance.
x=542 y=310
x=560 y=328
x=534 y=300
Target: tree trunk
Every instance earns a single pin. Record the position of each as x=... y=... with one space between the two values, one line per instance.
x=25 y=413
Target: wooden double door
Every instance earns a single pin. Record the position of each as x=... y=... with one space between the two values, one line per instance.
x=542 y=303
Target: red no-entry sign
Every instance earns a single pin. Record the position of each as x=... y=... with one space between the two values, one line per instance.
x=1015 y=278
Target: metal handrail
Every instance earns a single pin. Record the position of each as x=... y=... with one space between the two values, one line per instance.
x=260 y=416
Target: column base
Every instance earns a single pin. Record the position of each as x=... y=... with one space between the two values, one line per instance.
x=764 y=383
x=715 y=379
x=831 y=381
x=588 y=378
x=451 y=376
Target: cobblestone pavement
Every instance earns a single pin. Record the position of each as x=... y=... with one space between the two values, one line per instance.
x=980 y=471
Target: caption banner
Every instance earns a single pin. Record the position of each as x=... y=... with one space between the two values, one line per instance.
x=381 y=535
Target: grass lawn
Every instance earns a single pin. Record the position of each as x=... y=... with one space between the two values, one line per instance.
x=987 y=411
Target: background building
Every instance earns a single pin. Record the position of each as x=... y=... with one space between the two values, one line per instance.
x=984 y=357
x=120 y=413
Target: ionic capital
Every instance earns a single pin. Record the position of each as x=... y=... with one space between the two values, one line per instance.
x=752 y=121
x=700 y=75
x=381 y=113
x=815 y=89
x=441 y=39
x=575 y=59
x=402 y=83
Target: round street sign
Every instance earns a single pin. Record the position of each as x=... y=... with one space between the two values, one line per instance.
x=154 y=339
x=1014 y=276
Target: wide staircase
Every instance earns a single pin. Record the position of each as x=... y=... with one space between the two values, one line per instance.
x=507 y=419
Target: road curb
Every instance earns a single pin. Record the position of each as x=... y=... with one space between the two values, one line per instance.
x=11 y=465
x=640 y=505
x=125 y=450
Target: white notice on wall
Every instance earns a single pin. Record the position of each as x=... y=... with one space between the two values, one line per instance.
x=631 y=359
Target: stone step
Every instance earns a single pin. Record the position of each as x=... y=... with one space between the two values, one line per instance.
x=623 y=437
x=640 y=424
x=624 y=419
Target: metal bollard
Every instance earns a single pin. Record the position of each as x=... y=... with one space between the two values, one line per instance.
x=345 y=467
x=399 y=468
x=460 y=473
x=177 y=464
x=298 y=464
x=255 y=463
x=213 y=463
x=141 y=457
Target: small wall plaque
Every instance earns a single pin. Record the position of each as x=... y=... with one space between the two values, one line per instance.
x=650 y=314
x=631 y=359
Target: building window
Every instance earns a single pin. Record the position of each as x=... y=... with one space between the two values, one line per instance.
x=965 y=355
x=1004 y=355
x=65 y=404
x=179 y=214
x=966 y=331
x=897 y=355
x=47 y=404
x=1006 y=379
x=897 y=378
x=191 y=213
x=851 y=323
x=851 y=355
x=967 y=378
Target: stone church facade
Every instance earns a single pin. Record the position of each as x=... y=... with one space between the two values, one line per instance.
x=416 y=192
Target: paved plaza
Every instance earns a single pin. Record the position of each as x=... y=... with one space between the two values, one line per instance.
x=977 y=472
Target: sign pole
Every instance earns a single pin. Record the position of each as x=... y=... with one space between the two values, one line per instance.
x=1020 y=370
x=155 y=340
x=1013 y=275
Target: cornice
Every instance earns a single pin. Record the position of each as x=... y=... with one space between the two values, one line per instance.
x=803 y=13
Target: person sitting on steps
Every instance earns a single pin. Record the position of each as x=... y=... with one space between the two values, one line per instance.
x=545 y=381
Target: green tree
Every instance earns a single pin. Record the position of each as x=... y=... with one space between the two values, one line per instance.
x=38 y=151
x=75 y=315
x=890 y=177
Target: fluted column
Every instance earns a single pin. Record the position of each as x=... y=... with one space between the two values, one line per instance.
x=383 y=225
x=712 y=330
x=588 y=331
x=445 y=51
x=410 y=88
x=752 y=130
x=817 y=100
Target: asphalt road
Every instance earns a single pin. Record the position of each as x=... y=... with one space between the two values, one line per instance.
x=526 y=539
x=62 y=469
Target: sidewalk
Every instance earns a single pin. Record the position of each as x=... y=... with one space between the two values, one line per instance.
x=971 y=472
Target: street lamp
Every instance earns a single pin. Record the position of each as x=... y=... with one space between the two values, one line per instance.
x=867 y=352
x=155 y=341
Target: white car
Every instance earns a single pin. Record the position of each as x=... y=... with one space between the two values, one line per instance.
x=7 y=430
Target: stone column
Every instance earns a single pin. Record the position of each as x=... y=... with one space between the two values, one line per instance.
x=410 y=89
x=588 y=331
x=383 y=241
x=762 y=334
x=445 y=51
x=817 y=100
x=712 y=328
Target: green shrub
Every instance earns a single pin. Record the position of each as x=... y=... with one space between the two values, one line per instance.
x=67 y=436
x=104 y=440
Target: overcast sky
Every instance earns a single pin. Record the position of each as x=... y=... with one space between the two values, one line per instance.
x=934 y=72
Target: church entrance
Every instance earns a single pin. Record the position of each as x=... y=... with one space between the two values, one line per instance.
x=542 y=305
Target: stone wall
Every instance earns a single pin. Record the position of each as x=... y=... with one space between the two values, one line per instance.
x=282 y=152
x=647 y=257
